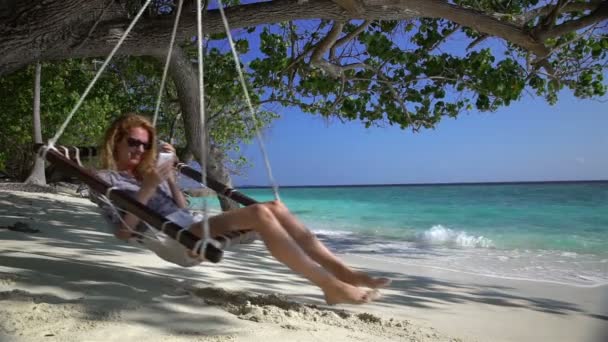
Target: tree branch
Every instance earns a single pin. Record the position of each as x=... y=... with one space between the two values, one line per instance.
x=434 y=46
x=352 y=34
x=477 y=41
x=103 y=11
x=551 y=18
x=339 y=96
x=599 y=14
x=545 y=10
x=327 y=42
x=352 y=6
x=30 y=40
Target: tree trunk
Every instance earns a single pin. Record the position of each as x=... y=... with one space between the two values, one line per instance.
x=37 y=175
x=184 y=76
x=78 y=28
x=217 y=170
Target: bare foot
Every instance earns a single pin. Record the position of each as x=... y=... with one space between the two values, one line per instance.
x=378 y=282
x=348 y=294
x=363 y=279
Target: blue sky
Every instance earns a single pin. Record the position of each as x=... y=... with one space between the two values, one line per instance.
x=528 y=141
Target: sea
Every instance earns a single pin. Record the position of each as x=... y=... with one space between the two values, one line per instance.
x=552 y=232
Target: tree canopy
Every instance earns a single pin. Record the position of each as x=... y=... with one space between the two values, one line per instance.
x=130 y=85
x=376 y=60
x=403 y=62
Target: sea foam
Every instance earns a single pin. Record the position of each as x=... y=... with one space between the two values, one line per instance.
x=440 y=235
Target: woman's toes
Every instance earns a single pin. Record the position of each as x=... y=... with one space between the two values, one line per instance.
x=372 y=295
x=377 y=283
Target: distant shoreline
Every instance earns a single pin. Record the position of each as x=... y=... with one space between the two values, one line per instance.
x=427 y=184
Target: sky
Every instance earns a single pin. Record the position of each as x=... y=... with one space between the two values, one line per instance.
x=527 y=141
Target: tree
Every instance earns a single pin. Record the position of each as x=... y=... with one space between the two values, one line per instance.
x=60 y=86
x=378 y=61
x=225 y=124
x=37 y=175
x=130 y=84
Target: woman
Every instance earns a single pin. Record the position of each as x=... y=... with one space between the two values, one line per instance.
x=129 y=157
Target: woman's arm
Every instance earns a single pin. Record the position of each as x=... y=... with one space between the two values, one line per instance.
x=131 y=221
x=149 y=185
x=147 y=190
x=177 y=193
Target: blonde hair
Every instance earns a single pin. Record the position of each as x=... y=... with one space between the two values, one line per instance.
x=120 y=129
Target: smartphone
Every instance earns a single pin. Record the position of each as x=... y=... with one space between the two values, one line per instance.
x=163 y=157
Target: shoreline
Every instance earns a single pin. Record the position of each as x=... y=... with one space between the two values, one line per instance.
x=73 y=281
x=543 y=266
x=532 y=280
x=539 y=182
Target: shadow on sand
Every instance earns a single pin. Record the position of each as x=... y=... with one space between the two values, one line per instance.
x=85 y=272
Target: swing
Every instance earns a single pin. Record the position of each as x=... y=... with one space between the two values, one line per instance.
x=209 y=248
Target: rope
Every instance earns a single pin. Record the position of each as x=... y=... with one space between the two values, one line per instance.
x=119 y=211
x=45 y=149
x=237 y=64
x=201 y=245
x=164 y=226
x=203 y=157
x=66 y=152
x=201 y=87
x=203 y=134
x=99 y=72
x=168 y=61
x=109 y=192
x=77 y=156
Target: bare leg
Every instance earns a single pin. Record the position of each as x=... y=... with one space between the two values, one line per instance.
x=319 y=252
x=283 y=247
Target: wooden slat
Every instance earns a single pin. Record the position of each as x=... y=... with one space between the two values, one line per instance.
x=125 y=201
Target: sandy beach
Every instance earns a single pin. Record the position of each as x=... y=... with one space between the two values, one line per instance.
x=63 y=277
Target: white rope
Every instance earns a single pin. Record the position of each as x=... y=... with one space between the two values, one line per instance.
x=77 y=157
x=66 y=152
x=207 y=239
x=201 y=87
x=103 y=67
x=203 y=157
x=164 y=226
x=237 y=64
x=228 y=241
x=168 y=61
x=109 y=191
x=201 y=245
x=117 y=212
x=179 y=234
x=45 y=149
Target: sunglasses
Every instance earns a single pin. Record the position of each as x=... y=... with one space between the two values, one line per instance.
x=132 y=142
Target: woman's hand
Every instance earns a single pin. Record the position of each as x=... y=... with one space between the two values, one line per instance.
x=176 y=192
x=168 y=148
x=156 y=176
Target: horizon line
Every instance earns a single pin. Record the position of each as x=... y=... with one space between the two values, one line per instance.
x=253 y=186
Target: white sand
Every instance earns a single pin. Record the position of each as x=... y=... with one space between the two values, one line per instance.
x=72 y=281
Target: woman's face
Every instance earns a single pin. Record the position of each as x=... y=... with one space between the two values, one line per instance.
x=130 y=150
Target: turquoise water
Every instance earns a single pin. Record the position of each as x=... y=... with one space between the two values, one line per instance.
x=564 y=223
